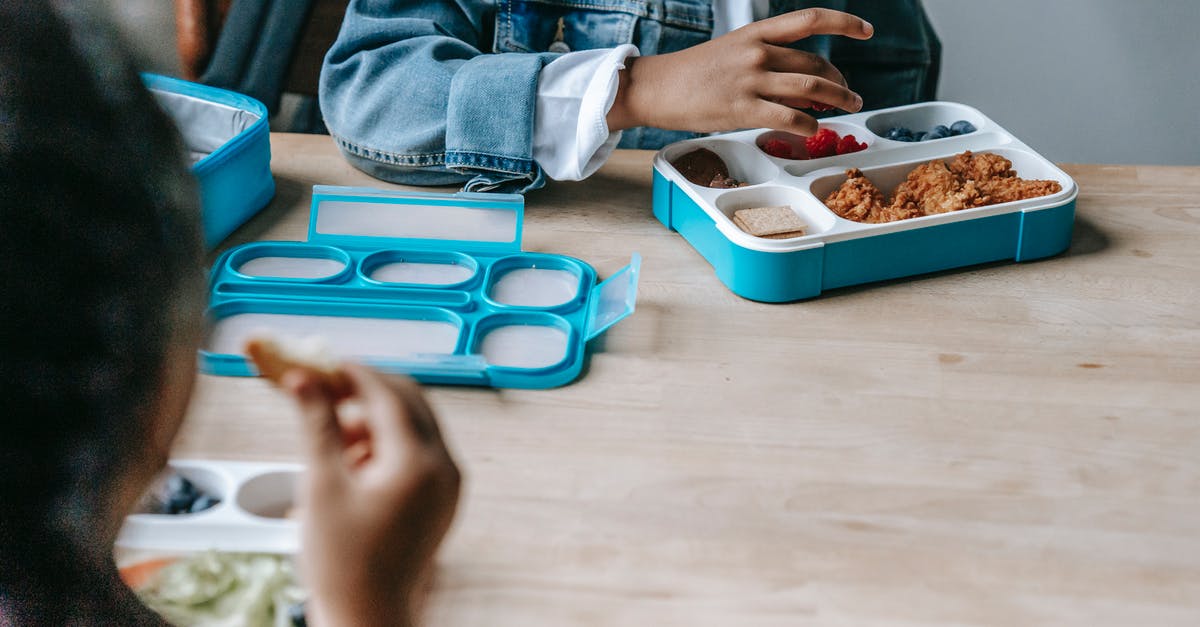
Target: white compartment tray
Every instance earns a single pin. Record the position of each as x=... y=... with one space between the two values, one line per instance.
x=835 y=252
x=251 y=517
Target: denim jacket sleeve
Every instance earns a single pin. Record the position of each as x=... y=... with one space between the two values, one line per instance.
x=411 y=95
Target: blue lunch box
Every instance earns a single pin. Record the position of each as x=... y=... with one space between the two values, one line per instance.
x=835 y=252
x=430 y=285
x=229 y=140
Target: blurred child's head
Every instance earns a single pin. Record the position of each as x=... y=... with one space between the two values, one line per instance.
x=100 y=287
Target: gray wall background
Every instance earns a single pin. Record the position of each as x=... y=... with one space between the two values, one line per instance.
x=1096 y=81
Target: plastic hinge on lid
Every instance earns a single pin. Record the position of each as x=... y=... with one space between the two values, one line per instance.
x=614 y=299
x=465 y=221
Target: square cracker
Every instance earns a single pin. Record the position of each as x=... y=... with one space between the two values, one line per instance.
x=778 y=222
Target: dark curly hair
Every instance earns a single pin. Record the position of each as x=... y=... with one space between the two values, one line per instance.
x=100 y=258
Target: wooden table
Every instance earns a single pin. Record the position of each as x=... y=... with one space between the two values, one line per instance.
x=1011 y=444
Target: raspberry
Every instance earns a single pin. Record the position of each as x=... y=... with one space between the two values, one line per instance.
x=849 y=144
x=823 y=144
x=817 y=106
x=777 y=148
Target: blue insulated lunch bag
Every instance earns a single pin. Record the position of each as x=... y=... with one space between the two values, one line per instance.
x=228 y=137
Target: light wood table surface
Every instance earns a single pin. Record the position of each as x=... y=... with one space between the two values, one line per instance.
x=1010 y=444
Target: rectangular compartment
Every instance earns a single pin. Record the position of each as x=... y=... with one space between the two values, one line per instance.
x=816 y=219
x=887 y=177
x=366 y=332
x=837 y=252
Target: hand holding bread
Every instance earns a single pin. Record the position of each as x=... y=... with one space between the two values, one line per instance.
x=380 y=491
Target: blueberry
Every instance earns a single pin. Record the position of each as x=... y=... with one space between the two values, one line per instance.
x=178 y=484
x=202 y=503
x=179 y=494
x=962 y=127
x=179 y=504
x=938 y=132
x=920 y=137
x=900 y=134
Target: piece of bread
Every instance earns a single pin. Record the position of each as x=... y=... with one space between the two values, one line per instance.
x=778 y=222
x=273 y=359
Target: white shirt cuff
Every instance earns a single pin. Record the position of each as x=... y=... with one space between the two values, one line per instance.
x=575 y=92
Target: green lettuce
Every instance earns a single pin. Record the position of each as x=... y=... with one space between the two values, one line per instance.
x=225 y=590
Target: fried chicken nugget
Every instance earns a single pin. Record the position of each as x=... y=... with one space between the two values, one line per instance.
x=1014 y=189
x=935 y=189
x=984 y=166
x=901 y=208
x=857 y=198
x=997 y=180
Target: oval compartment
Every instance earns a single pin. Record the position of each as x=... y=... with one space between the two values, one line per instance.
x=924 y=117
x=207 y=482
x=393 y=267
x=744 y=161
x=797 y=142
x=289 y=262
x=270 y=495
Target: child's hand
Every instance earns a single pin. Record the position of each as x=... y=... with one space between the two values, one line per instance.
x=744 y=79
x=378 y=496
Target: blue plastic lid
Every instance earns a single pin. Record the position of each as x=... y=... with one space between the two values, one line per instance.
x=511 y=319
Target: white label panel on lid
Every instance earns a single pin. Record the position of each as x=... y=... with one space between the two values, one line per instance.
x=416 y=221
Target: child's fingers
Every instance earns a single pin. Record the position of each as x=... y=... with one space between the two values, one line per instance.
x=794 y=26
x=781 y=59
x=319 y=412
x=781 y=117
x=783 y=88
x=395 y=430
x=423 y=419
